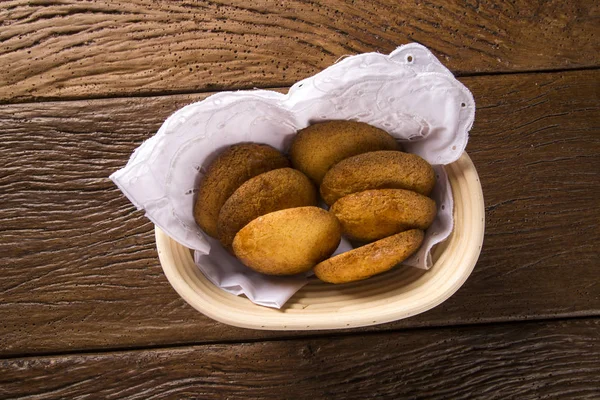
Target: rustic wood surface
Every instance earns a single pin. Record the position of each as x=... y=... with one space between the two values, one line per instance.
x=98 y=282
x=85 y=310
x=522 y=361
x=59 y=49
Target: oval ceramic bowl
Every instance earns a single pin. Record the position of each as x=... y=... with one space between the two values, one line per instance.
x=397 y=294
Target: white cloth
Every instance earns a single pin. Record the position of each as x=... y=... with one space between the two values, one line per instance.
x=408 y=93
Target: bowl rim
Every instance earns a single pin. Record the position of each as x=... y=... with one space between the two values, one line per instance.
x=239 y=311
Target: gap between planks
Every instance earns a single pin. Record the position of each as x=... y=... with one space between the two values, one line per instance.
x=308 y=336
x=281 y=87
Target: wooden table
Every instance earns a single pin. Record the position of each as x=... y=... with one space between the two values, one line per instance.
x=85 y=310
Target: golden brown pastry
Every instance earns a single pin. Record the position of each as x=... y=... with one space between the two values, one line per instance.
x=371 y=259
x=274 y=190
x=289 y=241
x=377 y=170
x=375 y=214
x=318 y=147
x=226 y=173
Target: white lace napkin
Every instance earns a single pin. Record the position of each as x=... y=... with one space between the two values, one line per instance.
x=408 y=93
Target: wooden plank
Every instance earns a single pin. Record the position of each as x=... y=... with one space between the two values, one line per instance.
x=524 y=361
x=71 y=49
x=80 y=270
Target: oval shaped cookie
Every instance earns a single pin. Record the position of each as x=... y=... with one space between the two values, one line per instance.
x=274 y=190
x=226 y=173
x=318 y=147
x=377 y=170
x=374 y=214
x=371 y=259
x=289 y=241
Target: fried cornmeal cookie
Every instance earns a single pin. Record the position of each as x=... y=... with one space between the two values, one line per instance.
x=318 y=147
x=371 y=259
x=226 y=173
x=271 y=191
x=377 y=170
x=374 y=214
x=289 y=241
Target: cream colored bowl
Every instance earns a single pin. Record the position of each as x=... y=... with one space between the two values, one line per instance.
x=397 y=294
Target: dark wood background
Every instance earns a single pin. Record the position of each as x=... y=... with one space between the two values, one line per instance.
x=85 y=309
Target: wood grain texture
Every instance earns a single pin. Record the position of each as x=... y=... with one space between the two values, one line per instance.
x=72 y=49
x=558 y=360
x=80 y=271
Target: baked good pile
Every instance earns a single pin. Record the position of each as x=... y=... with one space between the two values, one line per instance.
x=262 y=207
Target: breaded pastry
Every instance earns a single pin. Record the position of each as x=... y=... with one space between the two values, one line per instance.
x=274 y=190
x=371 y=259
x=226 y=173
x=375 y=214
x=289 y=241
x=318 y=147
x=377 y=170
